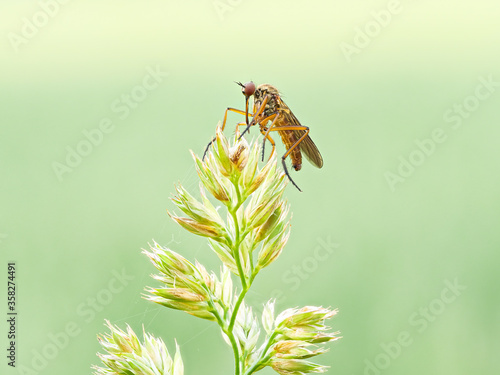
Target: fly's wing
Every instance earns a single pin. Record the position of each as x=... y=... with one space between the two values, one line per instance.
x=309 y=149
x=307 y=146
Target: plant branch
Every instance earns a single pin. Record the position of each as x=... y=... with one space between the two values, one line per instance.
x=236 y=248
x=230 y=335
x=263 y=356
x=240 y=299
x=236 y=253
x=191 y=288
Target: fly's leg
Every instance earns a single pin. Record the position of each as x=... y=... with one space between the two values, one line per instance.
x=239 y=111
x=274 y=118
x=263 y=132
x=268 y=137
x=256 y=115
x=285 y=128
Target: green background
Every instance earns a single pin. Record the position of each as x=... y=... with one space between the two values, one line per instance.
x=396 y=248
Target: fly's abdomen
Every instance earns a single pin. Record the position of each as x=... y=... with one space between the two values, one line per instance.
x=289 y=140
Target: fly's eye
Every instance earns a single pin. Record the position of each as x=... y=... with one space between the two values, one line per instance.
x=248 y=89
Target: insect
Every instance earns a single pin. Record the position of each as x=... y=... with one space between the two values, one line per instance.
x=272 y=114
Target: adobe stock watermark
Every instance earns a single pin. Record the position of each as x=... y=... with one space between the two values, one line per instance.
x=363 y=36
x=419 y=321
x=454 y=117
x=295 y=275
x=224 y=6
x=31 y=26
x=121 y=107
x=57 y=342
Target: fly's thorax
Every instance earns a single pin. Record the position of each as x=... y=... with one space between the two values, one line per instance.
x=272 y=94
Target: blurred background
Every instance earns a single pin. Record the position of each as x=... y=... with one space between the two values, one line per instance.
x=101 y=102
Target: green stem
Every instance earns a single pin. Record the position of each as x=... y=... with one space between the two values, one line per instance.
x=263 y=356
x=240 y=299
x=238 y=193
x=237 y=240
x=244 y=285
x=236 y=248
x=229 y=333
x=236 y=352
